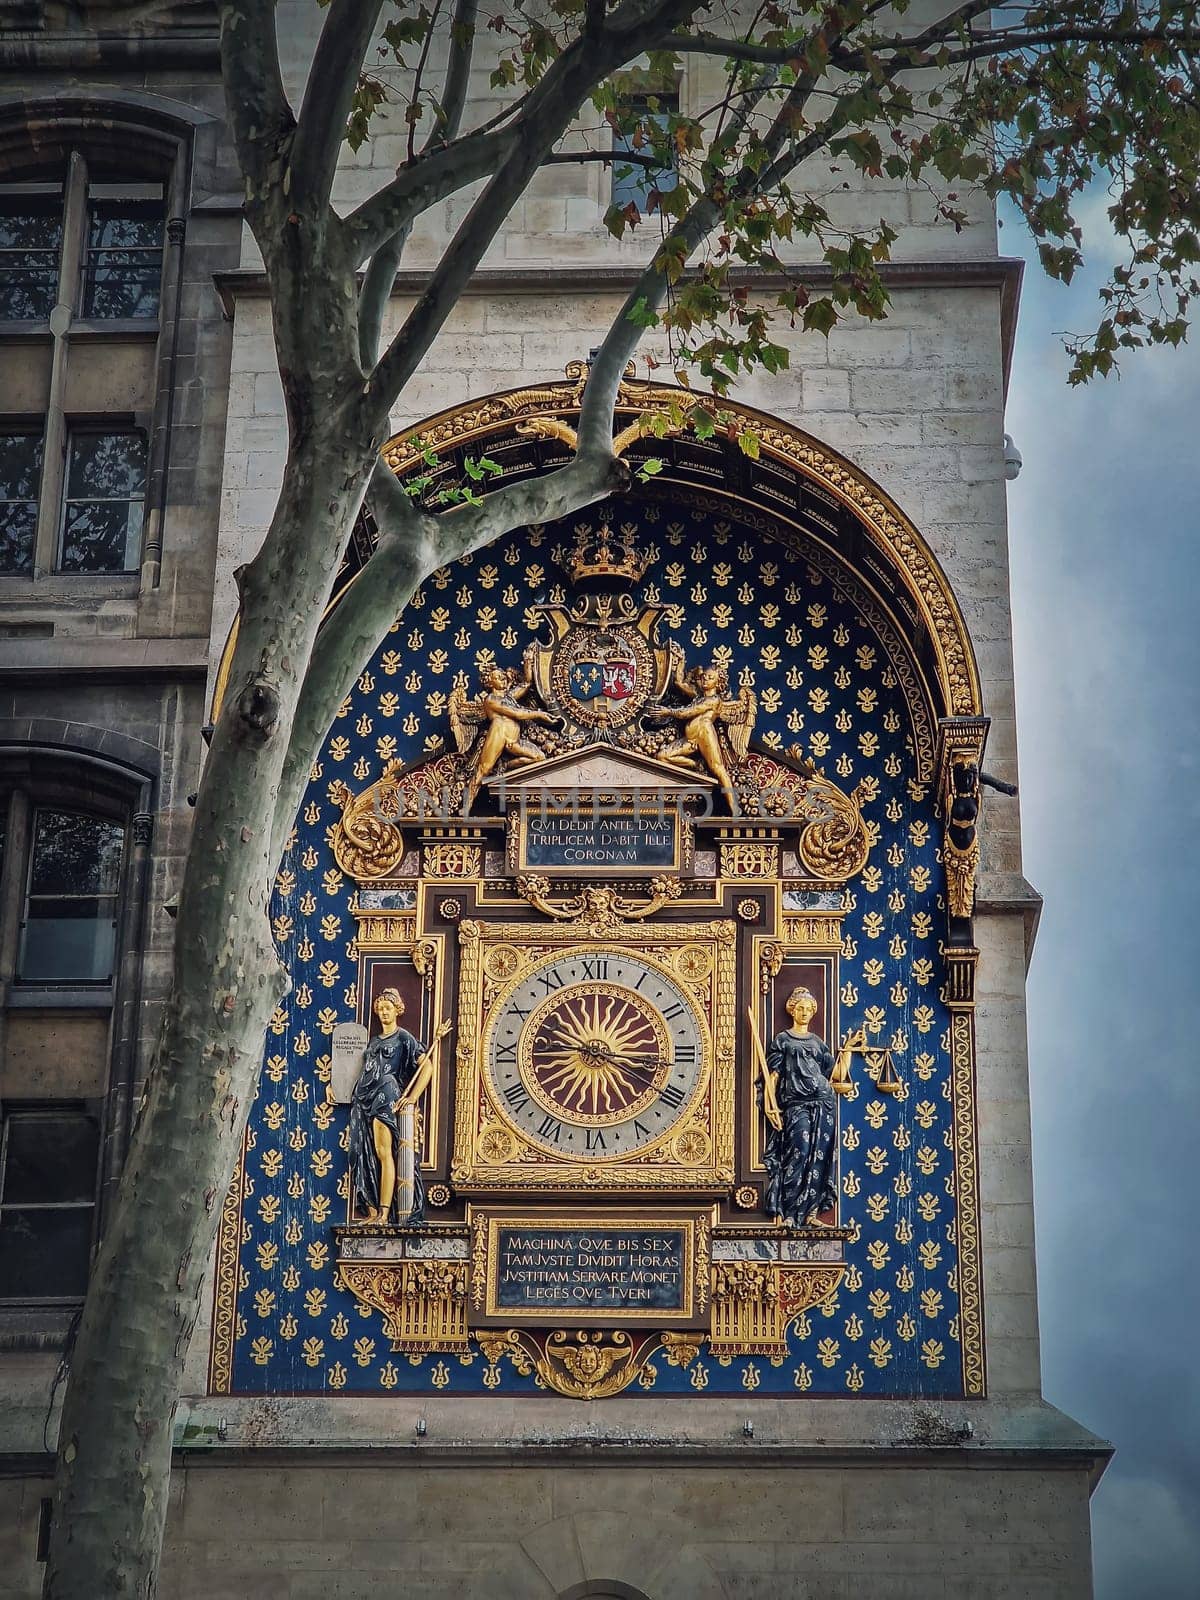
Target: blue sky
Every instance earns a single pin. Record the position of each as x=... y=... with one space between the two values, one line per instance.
x=1105 y=574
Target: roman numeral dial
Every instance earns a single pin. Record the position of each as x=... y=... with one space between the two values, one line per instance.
x=596 y=1055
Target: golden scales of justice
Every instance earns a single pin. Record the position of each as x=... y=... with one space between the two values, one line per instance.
x=878 y=1059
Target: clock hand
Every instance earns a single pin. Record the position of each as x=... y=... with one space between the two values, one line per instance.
x=627 y=1063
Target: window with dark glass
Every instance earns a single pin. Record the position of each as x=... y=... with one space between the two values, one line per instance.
x=20 y=478
x=633 y=183
x=68 y=934
x=47 y=1198
x=122 y=266
x=31 y=236
x=104 y=500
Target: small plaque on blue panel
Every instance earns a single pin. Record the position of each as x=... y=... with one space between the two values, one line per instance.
x=619 y=842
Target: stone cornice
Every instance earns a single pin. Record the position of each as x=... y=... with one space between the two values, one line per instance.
x=1003 y=273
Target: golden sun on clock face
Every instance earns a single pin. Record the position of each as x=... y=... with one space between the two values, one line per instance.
x=596 y=1054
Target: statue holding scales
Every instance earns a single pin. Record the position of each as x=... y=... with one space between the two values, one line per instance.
x=798 y=1080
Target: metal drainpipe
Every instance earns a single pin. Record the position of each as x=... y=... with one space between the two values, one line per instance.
x=160 y=458
x=127 y=1010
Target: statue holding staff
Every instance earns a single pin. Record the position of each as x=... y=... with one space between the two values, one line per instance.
x=385 y=1120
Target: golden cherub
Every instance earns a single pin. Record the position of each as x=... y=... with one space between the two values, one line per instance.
x=488 y=728
x=707 y=689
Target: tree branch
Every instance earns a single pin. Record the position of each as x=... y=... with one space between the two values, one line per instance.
x=374 y=295
x=649 y=292
x=423 y=183
x=259 y=113
x=329 y=93
x=1183 y=43
x=548 y=111
x=408 y=551
x=458 y=70
x=381 y=271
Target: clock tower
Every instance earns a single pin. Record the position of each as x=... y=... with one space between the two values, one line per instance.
x=663 y=831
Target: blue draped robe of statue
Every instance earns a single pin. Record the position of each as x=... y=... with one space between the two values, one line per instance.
x=387 y=1067
x=799 y=1157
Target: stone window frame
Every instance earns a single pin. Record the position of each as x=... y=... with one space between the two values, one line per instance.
x=85 y=1110
x=635 y=88
x=159 y=159
x=33 y=776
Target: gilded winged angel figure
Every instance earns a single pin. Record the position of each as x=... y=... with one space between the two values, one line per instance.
x=488 y=727
x=709 y=711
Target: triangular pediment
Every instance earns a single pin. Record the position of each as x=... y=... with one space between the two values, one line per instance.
x=600 y=767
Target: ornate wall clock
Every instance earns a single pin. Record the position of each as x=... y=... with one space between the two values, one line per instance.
x=595 y=1064
x=605 y=865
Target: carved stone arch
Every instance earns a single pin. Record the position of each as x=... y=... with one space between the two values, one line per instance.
x=146 y=132
x=616 y=1555
x=110 y=758
x=602 y=1589
x=793 y=487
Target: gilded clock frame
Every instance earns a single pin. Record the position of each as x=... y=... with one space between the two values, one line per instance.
x=655 y=1169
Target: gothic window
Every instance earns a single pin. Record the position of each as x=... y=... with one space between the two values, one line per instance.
x=48 y=1171
x=123 y=259
x=102 y=506
x=65 y=889
x=88 y=290
x=31 y=227
x=20 y=480
x=642 y=121
x=68 y=931
x=93 y=246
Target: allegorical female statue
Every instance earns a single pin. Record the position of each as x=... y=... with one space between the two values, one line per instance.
x=385 y=1122
x=799 y=1103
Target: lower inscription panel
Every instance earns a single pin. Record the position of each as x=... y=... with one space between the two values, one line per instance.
x=610 y=1267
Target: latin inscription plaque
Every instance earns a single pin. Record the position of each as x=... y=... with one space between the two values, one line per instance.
x=579 y=842
x=591 y=1269
x=609 y=1268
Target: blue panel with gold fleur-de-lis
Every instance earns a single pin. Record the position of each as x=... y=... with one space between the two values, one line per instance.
x=828 y=675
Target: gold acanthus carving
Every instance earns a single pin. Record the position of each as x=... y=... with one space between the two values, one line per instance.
x=451 y=859
x=598 y=912
x=961 y=868
x=835 y=839
x=778 y=442
x=368 y=843
x=838 y=845
x=742 y=859
x=587 y=1364
x=753 y=1303
x=424 y=1302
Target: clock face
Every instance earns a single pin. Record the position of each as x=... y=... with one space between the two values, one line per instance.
x=595 y=1054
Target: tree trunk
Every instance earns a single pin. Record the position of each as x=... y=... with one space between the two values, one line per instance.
x=114 y=1456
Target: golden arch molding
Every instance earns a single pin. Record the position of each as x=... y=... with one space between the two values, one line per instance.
x=794 y=478
x=794 y=483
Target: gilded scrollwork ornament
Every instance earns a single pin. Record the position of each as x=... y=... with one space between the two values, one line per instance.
x=598 y=912
x=587 y=1364
x=423 y=1302
x=367 y=843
